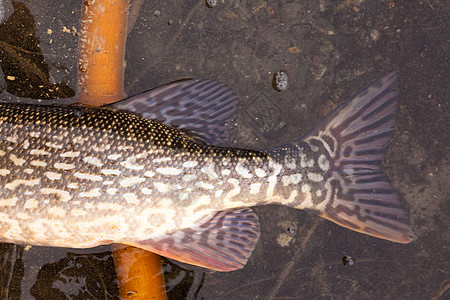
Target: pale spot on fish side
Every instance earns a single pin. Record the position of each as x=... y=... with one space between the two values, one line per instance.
x=190 y=177
x=111 y=191
x=260 y=173
x=14 y=229
x=228 y=199
x=131 y=166
x=165 y=188
x=4 y=172
x=160 y=160
x=183 y=196
x=57 y=212
x=218 y=193
x=39 y=230
x=316 y=177
x=291 y=164
x=149 y=174
x=38 y=163
x=209 y=171
x=201 y=202
x=70 y=154
x=305 y=162
x=95 y=192
x=130 y=181
x=272 y=180
x=319 y=193
x=204 y=185
x=31 y=204
x=291 y=179
x=26 y=144
x=76 y=212
x=169 y=171
x=72 y=185
x=190 y=164
x=114 y=156
x=243 y=171
x=53 y=175
x=93 y=161
x=160 y=215
x=255 y=188
x=323 y=163
x=88 y=176
x=23 y=216
x=63 y=195
x=64 y=166
x=12 y=139
x=8 y=202
x=12 y=185
x=28 y=171
x=110 y=172
x=2 y=153
x=225 y=172
x=306 y=188
x=146 y=191
x=39 y=152
x=16 y=160
x=108 y=182
x=109 y=206
x=292 y=196
x=34 y=134
x=52 y=145
x=131 y=198
x=306 y=197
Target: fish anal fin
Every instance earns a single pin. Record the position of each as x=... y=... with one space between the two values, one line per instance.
x=222 y=242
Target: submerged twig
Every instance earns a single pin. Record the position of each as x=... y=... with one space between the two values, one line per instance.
x=287 y=270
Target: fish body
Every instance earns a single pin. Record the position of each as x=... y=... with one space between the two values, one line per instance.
x=79 y=177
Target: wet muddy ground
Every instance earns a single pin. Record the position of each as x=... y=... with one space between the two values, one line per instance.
x=329 y=50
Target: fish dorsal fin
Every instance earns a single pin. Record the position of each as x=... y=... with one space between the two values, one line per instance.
x=223 y=241
x=354 y=137
x=206 y=108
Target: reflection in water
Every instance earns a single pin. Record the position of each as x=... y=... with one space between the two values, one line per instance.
x=11 y=270
x=24 y=69
x=77 y=276
x=242 y=43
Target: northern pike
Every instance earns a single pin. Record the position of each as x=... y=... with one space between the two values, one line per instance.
x=152 y=172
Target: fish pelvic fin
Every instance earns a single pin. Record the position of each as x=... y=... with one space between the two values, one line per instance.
x=223 y=241
x=354 y=137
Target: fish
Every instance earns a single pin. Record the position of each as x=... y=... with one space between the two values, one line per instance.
x=154 y=171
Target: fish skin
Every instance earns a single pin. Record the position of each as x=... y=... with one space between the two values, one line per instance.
x=79 y=177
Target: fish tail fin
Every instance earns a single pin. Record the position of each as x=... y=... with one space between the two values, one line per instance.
x=354 y=137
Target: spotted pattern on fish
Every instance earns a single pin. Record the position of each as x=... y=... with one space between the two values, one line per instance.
x=80 y=177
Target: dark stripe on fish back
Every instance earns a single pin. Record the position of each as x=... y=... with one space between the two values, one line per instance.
x=124 y=124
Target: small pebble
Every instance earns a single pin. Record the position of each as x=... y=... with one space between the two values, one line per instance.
x=280 y=81
x=348 y=260
x=170 y=22
x=211 y=3
x=375 y=35
x=157 y=13
x=290 y=230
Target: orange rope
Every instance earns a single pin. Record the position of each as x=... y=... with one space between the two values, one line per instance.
x=102 y=50
x=101 y=69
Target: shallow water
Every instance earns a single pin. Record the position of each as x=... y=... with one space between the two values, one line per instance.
x=329 y=50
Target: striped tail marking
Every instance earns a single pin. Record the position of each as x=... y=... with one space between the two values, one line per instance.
x=356 y=135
